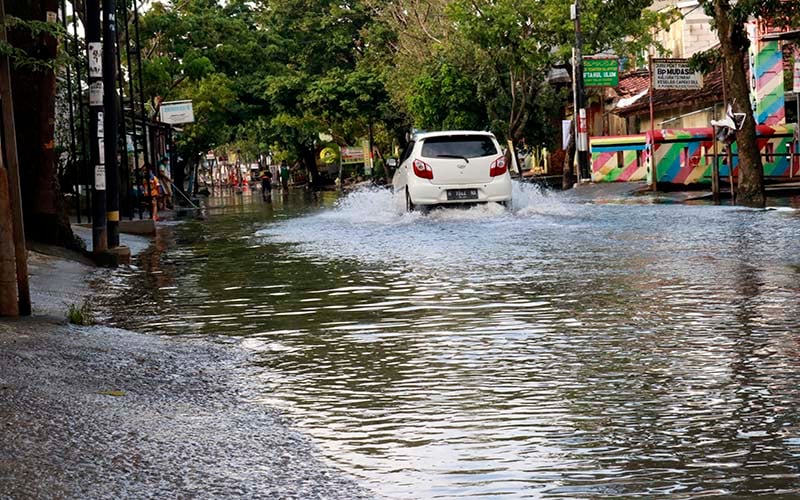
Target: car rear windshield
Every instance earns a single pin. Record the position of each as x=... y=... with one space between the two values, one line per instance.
x=466 y=146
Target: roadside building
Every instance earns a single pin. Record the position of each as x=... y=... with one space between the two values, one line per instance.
x=620 y=116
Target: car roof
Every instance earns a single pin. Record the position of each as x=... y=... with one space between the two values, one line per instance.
x=445 y=133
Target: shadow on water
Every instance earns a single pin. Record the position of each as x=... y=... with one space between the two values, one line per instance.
x=563 y=349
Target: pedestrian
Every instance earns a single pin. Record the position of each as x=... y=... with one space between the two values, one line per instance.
x=284 y=176
x=151 y=189
x=266 y=185
x=165 y=180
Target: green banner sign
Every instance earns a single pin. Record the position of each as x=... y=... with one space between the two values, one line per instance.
x=600 y=72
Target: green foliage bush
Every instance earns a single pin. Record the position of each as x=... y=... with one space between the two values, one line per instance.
x=80 y=315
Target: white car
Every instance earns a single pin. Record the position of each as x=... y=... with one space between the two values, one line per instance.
x=452 y=167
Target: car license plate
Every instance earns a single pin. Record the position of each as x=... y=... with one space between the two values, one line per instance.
x=462 y=194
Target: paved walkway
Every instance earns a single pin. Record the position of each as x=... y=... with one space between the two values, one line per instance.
x=94 y=412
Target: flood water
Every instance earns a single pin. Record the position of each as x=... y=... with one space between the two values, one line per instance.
x=565 y=349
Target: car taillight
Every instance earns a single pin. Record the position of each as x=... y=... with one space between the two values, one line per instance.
x=422 y=169
x=498 y=167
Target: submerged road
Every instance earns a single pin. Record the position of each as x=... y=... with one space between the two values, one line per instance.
x=578 y=346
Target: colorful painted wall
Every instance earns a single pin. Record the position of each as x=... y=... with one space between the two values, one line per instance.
x=619 y=158
x=766 y=80
x=686 y=156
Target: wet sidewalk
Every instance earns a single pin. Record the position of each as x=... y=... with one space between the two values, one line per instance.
x=95 y=412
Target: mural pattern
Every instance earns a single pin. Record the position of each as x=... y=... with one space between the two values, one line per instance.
x=686 y=156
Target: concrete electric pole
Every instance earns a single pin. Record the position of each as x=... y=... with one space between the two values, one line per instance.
x=96 y=127
x=581 y=126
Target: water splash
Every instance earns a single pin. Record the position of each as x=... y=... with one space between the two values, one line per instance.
x=380 y=205
x=532 y=199
x=367 y=204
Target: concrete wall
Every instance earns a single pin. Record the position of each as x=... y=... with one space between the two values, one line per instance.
x=681 y=117
x=697 y=33
x=690 y=34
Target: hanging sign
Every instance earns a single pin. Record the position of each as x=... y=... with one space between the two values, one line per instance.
x=100 y=125
x=100 y=177
x=176 y=112
x=51 y=17
x=675 y=74
x=96 y=93
x=95 y=59
x=796 y=77
x=101 y=151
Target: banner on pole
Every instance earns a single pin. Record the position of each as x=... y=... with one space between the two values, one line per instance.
x=796 y=86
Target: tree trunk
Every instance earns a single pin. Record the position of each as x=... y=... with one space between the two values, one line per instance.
x=310 y=160
x=34 y=93
x=734 y=45
x=569 y=179
x=9 y=304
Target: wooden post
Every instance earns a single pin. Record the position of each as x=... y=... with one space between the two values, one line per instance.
x=653 y=166
x=796 y=148
x=715 y=169
x=729 y=152
x=14 y=190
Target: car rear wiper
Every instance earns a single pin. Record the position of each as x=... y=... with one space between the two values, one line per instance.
x=454 y=156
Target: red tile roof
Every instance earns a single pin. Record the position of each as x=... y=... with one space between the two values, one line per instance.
x=638 y=81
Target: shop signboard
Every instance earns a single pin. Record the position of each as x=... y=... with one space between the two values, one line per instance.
x=352 y=154
x=675 y=74
x=176 y=112
x=600 y=72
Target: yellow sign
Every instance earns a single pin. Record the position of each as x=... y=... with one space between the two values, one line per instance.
x=328 y=155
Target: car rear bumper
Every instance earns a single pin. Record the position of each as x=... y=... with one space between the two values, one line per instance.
x=425 y=193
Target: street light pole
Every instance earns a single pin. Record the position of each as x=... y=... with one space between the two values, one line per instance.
x=581 y=129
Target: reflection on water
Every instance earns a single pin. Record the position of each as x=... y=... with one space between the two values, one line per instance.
x=561 y=350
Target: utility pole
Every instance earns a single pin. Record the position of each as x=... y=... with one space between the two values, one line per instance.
x=110 y=125
x=143 y=115
x=581 y=129
x=73 y=150
x=96 y=127
x=132 y=103
x=125 y=178
x=80 y=174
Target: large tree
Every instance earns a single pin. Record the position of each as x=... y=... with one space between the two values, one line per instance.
x=729 y=21
x=264 y=74
x=458 y=62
